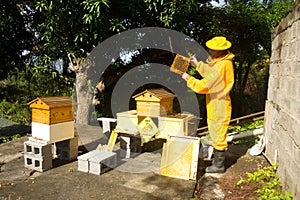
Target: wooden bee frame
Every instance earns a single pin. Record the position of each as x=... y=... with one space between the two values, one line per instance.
x=180 y=64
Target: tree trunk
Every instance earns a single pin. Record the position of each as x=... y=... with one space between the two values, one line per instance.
x=84 y=93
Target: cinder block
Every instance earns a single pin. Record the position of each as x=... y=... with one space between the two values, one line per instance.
x=69 y=143
x=130 y=146
x=97 y=162
x=83 y=163
x=101 y=161
x=67 y=154
x=38 y=163
x=38 y=149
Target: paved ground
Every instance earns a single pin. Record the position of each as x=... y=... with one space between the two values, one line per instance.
x=134 y=178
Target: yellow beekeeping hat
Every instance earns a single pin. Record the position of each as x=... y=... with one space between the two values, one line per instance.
x=218 y=43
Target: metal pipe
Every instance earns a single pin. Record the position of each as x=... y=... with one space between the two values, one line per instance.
x=254 y=132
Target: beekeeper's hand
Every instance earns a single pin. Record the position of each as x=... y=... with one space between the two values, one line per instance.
x=194 y=60
x=186 y=76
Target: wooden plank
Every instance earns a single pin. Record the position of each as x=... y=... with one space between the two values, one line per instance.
x=61 y=114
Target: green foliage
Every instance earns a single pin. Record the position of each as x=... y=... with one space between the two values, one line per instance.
x=10 y=138
x=271 y=186
x=71 y=169
x=16 y=34
x=246 y=126
x=22 y=86
x=240 y=129
x=16 y=111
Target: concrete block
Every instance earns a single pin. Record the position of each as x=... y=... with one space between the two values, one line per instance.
x=69 y=143
x=83 y=163
x=97 y=162
x=67 y=154
x=130 y=146
x=38 y=163
x=38 y=149
x=101 y=161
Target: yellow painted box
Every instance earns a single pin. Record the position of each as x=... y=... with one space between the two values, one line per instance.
x=52 y=110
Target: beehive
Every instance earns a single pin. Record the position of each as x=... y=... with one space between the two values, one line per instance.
x=154 y=102
x=52 y=110
x=177 y=125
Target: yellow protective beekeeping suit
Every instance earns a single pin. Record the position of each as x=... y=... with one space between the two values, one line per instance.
x=218 y=79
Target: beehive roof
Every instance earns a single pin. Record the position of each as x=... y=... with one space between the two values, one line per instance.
x=54 y=101
x=158 y=92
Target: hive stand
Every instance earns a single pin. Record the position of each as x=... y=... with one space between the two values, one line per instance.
x=97 y=162
x=38 y=155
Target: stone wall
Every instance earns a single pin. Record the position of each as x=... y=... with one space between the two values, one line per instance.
x=282 y=114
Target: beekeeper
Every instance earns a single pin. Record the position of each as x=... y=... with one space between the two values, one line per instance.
x=217 y=81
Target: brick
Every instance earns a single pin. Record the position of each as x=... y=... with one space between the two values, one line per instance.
x=37 y=163
x=38 y=149
x=101 y=161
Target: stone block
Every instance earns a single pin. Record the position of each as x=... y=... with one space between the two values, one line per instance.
x=97 y=162
x=66 y=153
x=101 y=161
x=69 y=143
x=83 y=162
x=38 y=149
x=38 y=163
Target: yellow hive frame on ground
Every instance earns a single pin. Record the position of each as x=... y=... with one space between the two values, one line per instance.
x=180 y=157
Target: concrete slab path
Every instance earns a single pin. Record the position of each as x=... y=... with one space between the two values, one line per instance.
x=134 y=178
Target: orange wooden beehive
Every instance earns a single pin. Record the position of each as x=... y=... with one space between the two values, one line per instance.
x=52 y=110
x=154 y=102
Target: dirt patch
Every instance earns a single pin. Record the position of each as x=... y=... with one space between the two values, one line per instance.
x=238 y=163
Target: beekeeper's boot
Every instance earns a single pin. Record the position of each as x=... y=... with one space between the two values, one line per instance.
x=217 y=163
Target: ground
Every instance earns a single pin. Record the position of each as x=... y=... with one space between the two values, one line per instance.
x=33 y=185
x=238 y=163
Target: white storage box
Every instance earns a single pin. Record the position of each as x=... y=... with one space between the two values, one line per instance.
x=54 y=132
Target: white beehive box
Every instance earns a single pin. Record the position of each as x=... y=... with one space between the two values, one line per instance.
x=127 y=122
x=54 y=132
x=177 y=125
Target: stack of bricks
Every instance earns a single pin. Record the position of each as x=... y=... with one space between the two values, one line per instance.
x=52 y=126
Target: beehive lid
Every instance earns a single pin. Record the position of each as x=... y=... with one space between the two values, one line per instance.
x=159 y=93
x=50 y=102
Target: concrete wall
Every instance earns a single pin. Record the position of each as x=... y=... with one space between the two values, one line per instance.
x=282 y=121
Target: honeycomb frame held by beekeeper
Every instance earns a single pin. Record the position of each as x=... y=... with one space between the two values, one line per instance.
x=216 y=84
